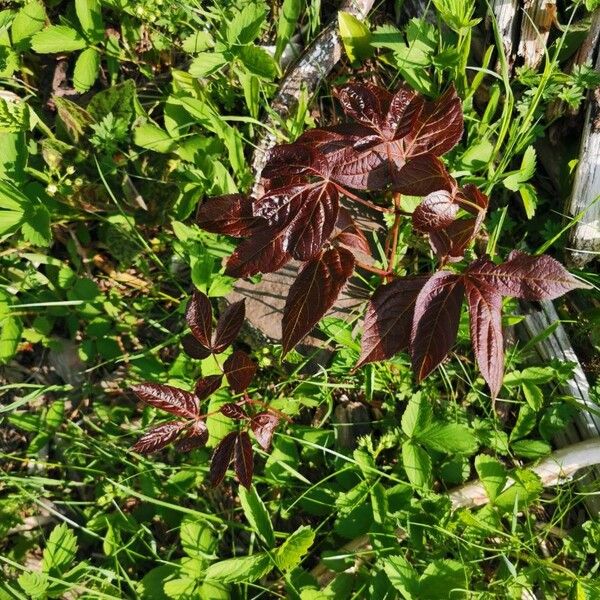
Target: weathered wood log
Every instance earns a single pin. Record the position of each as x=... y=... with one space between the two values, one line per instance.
x=584 y=203
x=586 y=424
x=557 y=468
x=506 y=13
x=538 y=17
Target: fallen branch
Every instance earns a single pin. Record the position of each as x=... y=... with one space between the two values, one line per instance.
x=557 y=468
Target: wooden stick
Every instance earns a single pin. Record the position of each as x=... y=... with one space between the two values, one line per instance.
x=584 y=236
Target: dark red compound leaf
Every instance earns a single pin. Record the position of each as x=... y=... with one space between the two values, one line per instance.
x=399 y=147
x=485 y=320
x=239 y=370
x=229 y=325
x=389 y=317
x=527 y=277
x=313 y=293
x=435 y=323
x=438 y=127
x=158 y=437
x=230 y=215
x=263 y=425
x=263 y=252
x=207 y=386
x=305 y=209
x=199 y=318
x=221 y=458
x=423 y=175
x=193 y=347
x=233 y=411
x=195 y=437
x=170 y=399
x=437 y=211
x=244 y=459
x=450 y=243
x=348 y=234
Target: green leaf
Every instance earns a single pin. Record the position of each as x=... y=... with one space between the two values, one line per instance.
x=246 y=569
x=536 y=375
x=287 y=22
x=246 y=24
x=450 y=438
x=525 y=422
x=207 y=63
x=90 y=17
x=531 y=448
x=11 y=329
x=34 y=584
x=197 y=42
x=402 y=576
x=417 y=464
x=86 y=69
x=152 y=137
x=379 y=503
x=257 y=514
x=60 y=550
x=356 y=37
x=9 y=61
x=29 y=20
x=14 y=116
x=291 y=552
x=259 y=62
x=526 y=488
x=251 y=86
x=118 y=100
x=530 y=199
x=417 y=416
x=534 y=395
x=57 y=38
x=440 y=578
x=492 y=475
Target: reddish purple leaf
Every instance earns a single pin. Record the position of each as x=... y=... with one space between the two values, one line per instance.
x=405 y=108
x=438 y=127
x=435 y=324
x=170 y=399
x=450 y=243
x=233 y=411
x=389 y=317
x=438 y=210
x=527 y=277
x=158 y=437
x=195 y=437
x=244 y=460
x=193 y=347
x=230 y=215
x=229 y=325
x=199 y=317
x=264 y=252
x=423 y=175
x=349 y=235
x=207 y=386
x=221 y=458
x=485 y=320
x=313 y=293
x=263 y=425
x=239 y=370
x=366 y=103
